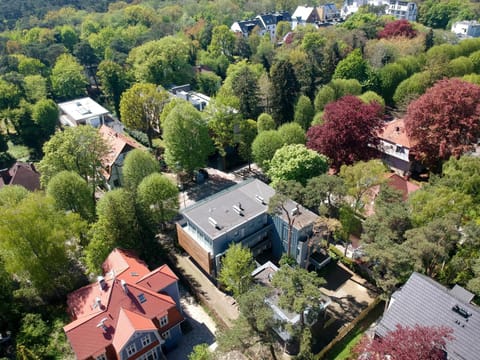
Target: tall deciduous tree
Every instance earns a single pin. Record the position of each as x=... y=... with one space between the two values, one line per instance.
x=37 y=243
x=352 y=67
x=304 y=112
x=248 y=132
x=349 y=132
x=45 y=117
x=325 y=190
x=187 y=142
x=264 y=147
x=158 y=196
x=68 y=78
x=444 y=121
x=78 y=149
x=285 y=89
x=141 y=106
x=71 y=193
x=138 y=164
x=292 y=133
x=407 y=343
x=237 y=267
x=113 y=82
x=296 y=162
x=265 y=122
x=398 y=28
x=245 y=87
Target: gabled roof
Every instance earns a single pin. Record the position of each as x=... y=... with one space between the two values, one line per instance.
x=401 y=184
x=394 y=132
x=302 y=13
x=125 y=306
x=425 y=302
x=22 y=174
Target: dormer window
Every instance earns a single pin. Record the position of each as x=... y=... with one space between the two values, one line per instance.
x=130 y=349
x=146 y=340
x=142 y=298
x=101 y=357
x=164 y=320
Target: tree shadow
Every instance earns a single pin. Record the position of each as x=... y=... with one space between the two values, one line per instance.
x=213 y=185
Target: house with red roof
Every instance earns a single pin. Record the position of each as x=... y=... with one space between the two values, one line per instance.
x=21 y=174
x=395 y=146
x=129 y=313
x=112 y=162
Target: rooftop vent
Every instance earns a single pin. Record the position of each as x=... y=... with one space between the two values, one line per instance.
x=101 y=282
x=102 y=325
x=238 y=210
x=461 y=311
x=295 y=211
x=260 y=199
x=124 y=286
x=97 y=303
x=214 y=223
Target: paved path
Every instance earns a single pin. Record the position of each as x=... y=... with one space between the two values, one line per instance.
x=200 y=328
x=223 y=305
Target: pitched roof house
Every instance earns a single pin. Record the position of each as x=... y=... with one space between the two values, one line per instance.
x=239 y=214
x=22 y=174
x=315 y=15
x=264 y=23
x=129 y=313
x=399 y=9
x=112 y=162
x=425 y=302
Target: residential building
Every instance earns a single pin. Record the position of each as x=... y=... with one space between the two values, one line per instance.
x=129 y=313
x=263 y=23
x=84 y=111
x=112 y=162
x=22 y=174
x=395 y=146
x=401 y=10
x=466 y=29
x=423 y=301
x=315 y=15
x=263 y=275
x=198 y=100
x=239 y=214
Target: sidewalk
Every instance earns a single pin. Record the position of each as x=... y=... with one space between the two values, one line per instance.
x=221 y=305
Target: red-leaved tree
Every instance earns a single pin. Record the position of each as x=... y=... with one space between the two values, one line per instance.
x=349 y=131
x=397 y=28
x=444 y=122
x=406 y=343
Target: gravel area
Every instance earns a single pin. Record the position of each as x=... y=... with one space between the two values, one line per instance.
x=200 y=328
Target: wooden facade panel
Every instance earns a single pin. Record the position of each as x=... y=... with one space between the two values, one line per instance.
x=199 y=254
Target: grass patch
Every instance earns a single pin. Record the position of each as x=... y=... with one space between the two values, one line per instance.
x=352 y=340
x=19 y=152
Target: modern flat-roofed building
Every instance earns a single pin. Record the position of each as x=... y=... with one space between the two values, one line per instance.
x=84 y=111
x=239 y=214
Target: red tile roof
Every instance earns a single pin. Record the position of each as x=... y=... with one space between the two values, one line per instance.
x=121 y=311
x=117 y=143
x=394 y=132
x=22 y=174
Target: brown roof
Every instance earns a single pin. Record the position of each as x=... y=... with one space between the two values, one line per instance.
x=394 y=132
x=121 y=311
x=22 y=174
x=118 y=144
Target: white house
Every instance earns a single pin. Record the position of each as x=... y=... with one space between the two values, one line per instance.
x=84 y=111
x=263 y=23
x=402 y=10
x=315 y=15
x=466 y=29
x=395 y=146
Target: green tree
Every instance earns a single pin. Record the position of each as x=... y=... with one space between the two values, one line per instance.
x=296 y=162
x=78 y=149
x=245 y=87
x=200 y=352
x=11 y=195
x=141 y=106
x=264 y=147
x=325 y=190
x=33 y=334
x=68 y=78
x=208 y=83
x=265 y=122
x=299 y=290
x=39 y=245
x=361 y=177
x=45 y=117
x=35 y=87
x=186 y=138
x=158 y=196
x=114 y=81
x=72 y=193
x=304 y=112
x=285 y=89
x=162 y=62
x=138 y=165
x=223 y=41
x=236 y=270
x=325 y=95
x=352 y=67
x=248 y=132
x=292 y=133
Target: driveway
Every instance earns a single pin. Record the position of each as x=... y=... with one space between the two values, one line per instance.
x=198 y=327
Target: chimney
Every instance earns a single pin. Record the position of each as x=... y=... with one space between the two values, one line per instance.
x=102 y=325
x=101 y=282
x=124 y=286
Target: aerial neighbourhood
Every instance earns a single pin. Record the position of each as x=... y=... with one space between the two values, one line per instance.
x=219 y=179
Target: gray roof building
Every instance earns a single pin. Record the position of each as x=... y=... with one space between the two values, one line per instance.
x=425 y=302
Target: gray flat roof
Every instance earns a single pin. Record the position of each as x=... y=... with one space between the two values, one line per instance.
x=219 y=208
x=425 y=302
x=83 y=108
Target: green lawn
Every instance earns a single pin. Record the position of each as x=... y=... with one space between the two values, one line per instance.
x=19 y=152
x=345 y=353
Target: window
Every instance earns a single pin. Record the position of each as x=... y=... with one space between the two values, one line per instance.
x=146 y=340
x=164 y=320
x=141 y=297
x=166 y=335
x=101 y=357
x=151 y=355
x=130 y=349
